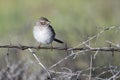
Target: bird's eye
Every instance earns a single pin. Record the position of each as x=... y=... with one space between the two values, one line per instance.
x=42 y=22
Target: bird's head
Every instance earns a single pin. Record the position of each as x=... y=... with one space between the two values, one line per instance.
x=44 y=21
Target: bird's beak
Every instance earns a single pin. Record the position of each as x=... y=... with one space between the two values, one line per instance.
x=48 y=22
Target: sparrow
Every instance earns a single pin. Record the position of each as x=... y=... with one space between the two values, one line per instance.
x=44 y=33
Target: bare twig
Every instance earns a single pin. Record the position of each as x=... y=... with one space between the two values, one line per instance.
x=95 y=36
x=116 y=45
x=70 y=55
x=33 y=53
x=62 y=60
x=90 y=74
x=94 y=56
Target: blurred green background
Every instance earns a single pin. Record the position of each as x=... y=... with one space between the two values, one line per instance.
x=73 y=20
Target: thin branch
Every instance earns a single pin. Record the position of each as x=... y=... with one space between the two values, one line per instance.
x=91 y=62
x=94 y=56
x=61 y=60
x=33 y=53
x=95 y=36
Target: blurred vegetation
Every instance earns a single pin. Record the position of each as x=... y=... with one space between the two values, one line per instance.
x=74 y=22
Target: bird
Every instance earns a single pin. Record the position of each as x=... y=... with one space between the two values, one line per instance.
x=44 y=33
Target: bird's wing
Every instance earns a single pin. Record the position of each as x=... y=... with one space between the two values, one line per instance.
x=52 y=30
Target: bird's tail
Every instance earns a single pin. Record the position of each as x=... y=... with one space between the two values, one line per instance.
x=59 y=41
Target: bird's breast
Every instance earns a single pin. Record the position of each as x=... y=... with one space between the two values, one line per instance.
x=43 y=35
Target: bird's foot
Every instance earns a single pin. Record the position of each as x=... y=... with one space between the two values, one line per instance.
x=39 y=47
x=51 y=47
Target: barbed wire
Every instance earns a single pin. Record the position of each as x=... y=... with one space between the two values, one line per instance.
x=22 y=47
